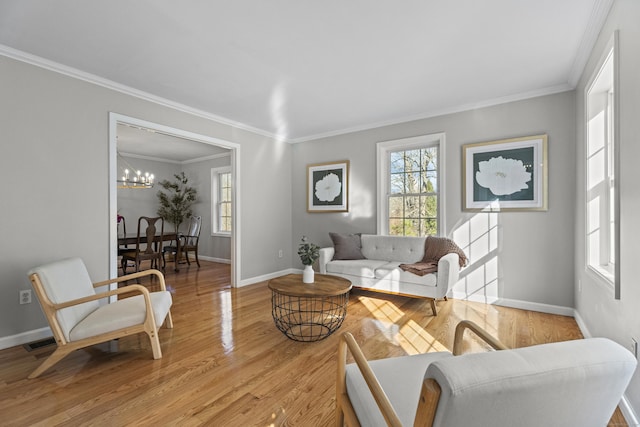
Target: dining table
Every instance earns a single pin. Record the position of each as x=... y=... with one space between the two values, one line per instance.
x=132 y=239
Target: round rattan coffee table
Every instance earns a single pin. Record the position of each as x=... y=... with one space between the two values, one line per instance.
x=309 y=311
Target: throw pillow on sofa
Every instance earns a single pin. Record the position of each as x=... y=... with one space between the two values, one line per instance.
x=347 y=246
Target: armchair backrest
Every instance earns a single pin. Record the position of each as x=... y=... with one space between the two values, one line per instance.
x=63 y=281
x=569 y=383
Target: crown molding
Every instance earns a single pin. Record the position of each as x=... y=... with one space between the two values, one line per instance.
x=441 y=112
x=596 y=21
x=127 y=90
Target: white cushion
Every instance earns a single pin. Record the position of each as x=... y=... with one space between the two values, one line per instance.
x=400 y=378
x=121 y=314
x=393 y=248
x=63 y=281
x=573 y=383
x=392 y=271
x=358 y=267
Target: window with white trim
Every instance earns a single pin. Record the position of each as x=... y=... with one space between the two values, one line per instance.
x=221 y=201
x=601 y=192
x=409 y=186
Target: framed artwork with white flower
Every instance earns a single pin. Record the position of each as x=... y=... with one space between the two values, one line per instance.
x=509 y=174
x=327 y=187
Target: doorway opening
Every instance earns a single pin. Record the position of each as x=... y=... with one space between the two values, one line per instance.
x=116 y=120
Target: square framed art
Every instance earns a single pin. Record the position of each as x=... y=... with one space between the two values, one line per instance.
x=508 y=174
x=328 y=187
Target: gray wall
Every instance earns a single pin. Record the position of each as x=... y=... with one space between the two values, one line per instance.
x=55 y=168
x=600 y=312
x=215 y=247
x=532 y=259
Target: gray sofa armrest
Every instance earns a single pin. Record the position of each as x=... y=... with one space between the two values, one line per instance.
x=448 y=273
x=326 y=255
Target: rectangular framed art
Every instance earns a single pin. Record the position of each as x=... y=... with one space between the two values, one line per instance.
x=509 y=174
x=327 y=187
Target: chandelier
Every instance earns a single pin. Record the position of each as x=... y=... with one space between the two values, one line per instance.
x=134 y=178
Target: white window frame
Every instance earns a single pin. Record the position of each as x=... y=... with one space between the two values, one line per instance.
x=215 y=201
x=604 y=85
x=384 y=149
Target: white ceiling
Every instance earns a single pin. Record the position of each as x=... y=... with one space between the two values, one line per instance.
x=144 y=143
x=303 y=69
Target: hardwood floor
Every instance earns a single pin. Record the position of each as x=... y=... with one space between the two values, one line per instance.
x=226 y=364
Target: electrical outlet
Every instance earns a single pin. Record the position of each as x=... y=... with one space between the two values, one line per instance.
x=634 y=347
x=280 y=253
x=25 y=297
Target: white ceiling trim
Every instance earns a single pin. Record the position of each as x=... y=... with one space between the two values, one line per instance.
x=176 y=162
x=435 y=113
x=596 y=22
x=97 y=80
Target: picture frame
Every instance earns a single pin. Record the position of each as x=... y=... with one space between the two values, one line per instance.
x=328 y=187
x=505 y=175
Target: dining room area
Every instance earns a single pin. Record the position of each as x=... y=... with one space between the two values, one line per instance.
x=173 y=201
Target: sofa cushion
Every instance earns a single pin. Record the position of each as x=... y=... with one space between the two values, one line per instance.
x=360 y=268
x=347 y=246
x=393 y=248
x=392 y=271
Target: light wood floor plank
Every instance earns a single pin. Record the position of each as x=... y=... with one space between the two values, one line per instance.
x=226 y=364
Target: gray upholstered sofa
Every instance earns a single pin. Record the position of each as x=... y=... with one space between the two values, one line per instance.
x=378 y=269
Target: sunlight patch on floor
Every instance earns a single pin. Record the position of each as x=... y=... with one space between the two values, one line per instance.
x=409 y=335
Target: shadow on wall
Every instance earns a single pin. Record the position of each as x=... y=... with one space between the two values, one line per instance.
x=478 y=237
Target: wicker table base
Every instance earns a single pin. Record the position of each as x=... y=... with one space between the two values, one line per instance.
x=309 y=312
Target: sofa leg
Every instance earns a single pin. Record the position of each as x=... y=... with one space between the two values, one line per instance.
x=433 y=306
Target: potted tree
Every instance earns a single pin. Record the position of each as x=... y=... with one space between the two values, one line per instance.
x=176 y=202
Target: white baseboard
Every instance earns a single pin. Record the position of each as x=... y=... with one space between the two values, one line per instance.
x=524 y=305
x=269 y=276
x=209 y=258
x=25 y=337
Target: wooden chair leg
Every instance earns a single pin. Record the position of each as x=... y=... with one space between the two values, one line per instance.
x=155 y=344
x=55 y=357
x=433 y=306
x=197 y=260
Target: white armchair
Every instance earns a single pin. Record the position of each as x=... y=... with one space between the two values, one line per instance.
x=572 y=383
x=77 y=319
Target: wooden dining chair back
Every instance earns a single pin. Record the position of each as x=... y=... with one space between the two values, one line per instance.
x=571 y=383
x=78 y=319
x=149 y=242
x=122 y=233
x=190 y=240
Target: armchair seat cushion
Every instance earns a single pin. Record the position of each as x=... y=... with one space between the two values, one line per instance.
x=401 y=379
x=122 y=314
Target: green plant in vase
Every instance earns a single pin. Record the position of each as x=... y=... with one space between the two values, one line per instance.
x=309 y=253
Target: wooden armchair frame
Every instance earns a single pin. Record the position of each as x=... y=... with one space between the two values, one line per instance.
x=430 y=393
x=65 y=347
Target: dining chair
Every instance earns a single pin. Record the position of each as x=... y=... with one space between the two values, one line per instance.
x=149 y=242
x=188 y=242
x=77 y=318
x=122 y=233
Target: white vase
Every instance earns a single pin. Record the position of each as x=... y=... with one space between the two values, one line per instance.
x=308 y=274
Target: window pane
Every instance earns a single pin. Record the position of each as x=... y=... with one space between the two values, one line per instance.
x=412 y=207
x=429 y=206
x=429 y=182
x=396 y=227
x=396 y=207
x=397 y=162
x=429 y=227
x=412 y=227
x=397 y=183
x=412 y=160
x=412 y=183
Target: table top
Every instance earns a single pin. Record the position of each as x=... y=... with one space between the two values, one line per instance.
x=324 y=285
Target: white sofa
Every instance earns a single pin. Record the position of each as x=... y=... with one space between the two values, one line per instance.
x=379 y=270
